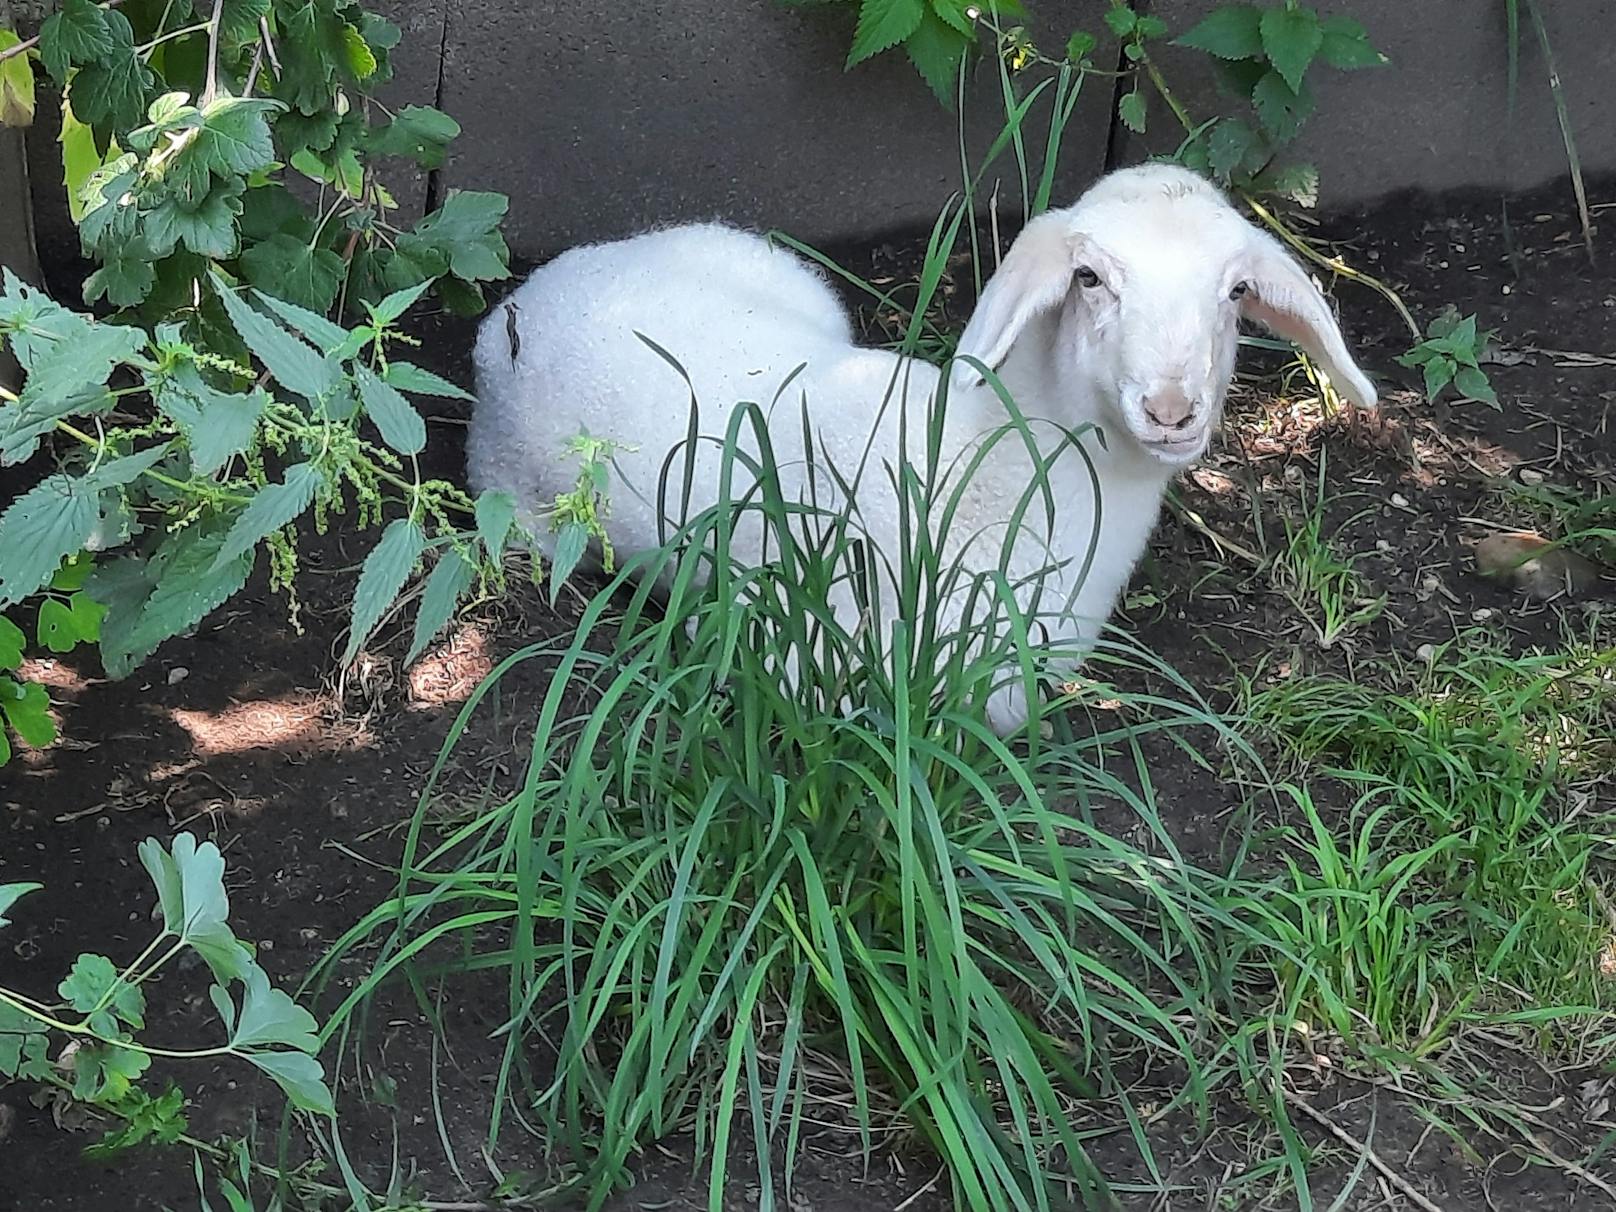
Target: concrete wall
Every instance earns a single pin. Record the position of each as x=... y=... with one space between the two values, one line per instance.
x=598 y=119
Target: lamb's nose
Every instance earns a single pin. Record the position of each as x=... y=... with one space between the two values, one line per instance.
x=1170 y=408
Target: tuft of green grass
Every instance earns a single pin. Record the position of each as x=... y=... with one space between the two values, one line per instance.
x=767 y=841
x=1323 y=586
x=1465 y=881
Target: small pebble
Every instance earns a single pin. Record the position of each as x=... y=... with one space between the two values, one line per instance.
x=1399 y=500
x=1507 y=289
x=1531 y=476
x=1426 y=653
x=177 y=675
x=1293 y=473
x=1481 y=614
x=1382 y=545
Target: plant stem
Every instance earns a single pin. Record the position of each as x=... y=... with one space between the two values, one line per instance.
x=179 y=485
x=28 y=44
x=214 y=24
x=83 y=1029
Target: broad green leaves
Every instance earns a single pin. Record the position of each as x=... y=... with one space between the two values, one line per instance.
x=1265 y=53
x=1451 y=354
x=77 y=33
x=1290 y=39
x=104 y=1007
x=190 y=891
x=883 y=24
x=1231 y=32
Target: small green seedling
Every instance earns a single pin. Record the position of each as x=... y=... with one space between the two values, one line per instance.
x=1451 y=354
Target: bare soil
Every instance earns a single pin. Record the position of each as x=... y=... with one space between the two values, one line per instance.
x=241 y=733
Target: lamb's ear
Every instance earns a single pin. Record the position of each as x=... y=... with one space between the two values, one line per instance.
x=1036 y=275
x=1283 y=298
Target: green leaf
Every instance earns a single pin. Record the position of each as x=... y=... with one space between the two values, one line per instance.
x=80 y=158
x=238 y=20
x=42 y=528
x=1439 y=373
x=450 y=578
x=104 y=1073
x=93 y=988
x=464 y=232
x=1131 y=109
x=10 y=894
x=73 y=574
x=73 y=367
x=1291 y=37
x=1230 y=143
x=408 y=377
x=1080 y=45
x=396 y=304
x=496 y=514
x=1121 y=19
x=76 y=33
x=160 y=1120
x=87 y=616
x=937 y=50
x=12 y=642
x=16 y=84
x=1232 y=32
x=418 y=132
x=125 y=278
x=218 y=425
x=1148 y=26
x=326 y=335
x=273 y=507
x=386 y=569
x=23 y=1047
x=1280 y=110
x=293 y=364
x=29 y=714
x=1473 y=384
x=279 y=1036
x=288 y=268
x=180 y=588
x=190 y=888
x=883 y=24
x=112 y=90
x=571 y=542
x=1345 y=44
x=400 y=425
x=233 y=141
x=57 y=629
x=300 y=1077
x=207 y=228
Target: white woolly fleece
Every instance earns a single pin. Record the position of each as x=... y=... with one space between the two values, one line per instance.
x=1120 y=312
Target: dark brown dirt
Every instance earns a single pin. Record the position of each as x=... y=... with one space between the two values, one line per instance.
x=239 y=734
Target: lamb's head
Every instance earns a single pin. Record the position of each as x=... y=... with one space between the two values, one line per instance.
x=1128 y=304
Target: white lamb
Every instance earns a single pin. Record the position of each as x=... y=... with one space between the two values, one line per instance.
x=1121 y=311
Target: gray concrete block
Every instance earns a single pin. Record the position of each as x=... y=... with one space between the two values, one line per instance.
x=602 y=119
x=417 y=62
x=1437 y=116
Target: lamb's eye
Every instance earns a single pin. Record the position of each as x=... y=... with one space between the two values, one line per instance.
x=1087 y=278
x=1239 y=289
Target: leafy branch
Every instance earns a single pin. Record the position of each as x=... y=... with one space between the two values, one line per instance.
x=92 y=1027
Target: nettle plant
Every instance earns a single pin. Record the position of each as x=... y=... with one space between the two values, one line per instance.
x=1265 y=56
x=85 y=1044
x=227 y=168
